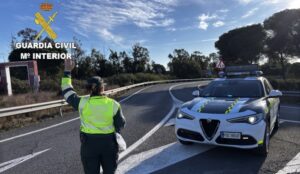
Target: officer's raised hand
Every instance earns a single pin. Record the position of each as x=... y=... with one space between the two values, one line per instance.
x=69 y=65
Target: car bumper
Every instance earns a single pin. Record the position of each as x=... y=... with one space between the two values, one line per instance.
x=191 y=130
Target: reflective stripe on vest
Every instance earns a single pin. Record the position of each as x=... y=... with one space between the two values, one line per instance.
x=68 y=94
x=96 y=114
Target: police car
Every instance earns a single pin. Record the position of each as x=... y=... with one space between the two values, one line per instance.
x=239 y=110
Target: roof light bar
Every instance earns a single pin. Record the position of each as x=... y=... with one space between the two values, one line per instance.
x=242 y=71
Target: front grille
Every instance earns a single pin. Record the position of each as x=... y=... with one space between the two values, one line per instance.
x=209 y=127
x=190 y=135
x=245 y=140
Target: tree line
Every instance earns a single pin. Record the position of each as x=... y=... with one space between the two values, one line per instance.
x=116 y=63
x=277 y=39
x=137 y=60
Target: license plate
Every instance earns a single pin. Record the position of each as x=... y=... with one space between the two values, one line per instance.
x=231 y=135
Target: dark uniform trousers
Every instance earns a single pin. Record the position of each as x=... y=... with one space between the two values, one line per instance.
x=99 y=149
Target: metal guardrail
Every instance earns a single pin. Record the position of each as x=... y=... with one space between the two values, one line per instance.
x=5 y=112
x=291 y=93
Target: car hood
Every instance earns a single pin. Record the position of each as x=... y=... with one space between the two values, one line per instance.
x=215 y=105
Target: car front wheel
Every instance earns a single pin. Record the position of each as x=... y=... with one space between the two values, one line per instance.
x=276 y=126
x=264 y=148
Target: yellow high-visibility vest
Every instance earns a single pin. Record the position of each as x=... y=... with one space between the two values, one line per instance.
x=96 y=114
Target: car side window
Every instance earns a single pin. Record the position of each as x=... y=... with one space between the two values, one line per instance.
x=267 y=87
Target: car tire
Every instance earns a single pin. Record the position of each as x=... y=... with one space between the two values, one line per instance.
x=276 y=126
x=185 y=142
x=263 y=149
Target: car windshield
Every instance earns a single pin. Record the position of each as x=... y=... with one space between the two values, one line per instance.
x=233 y=88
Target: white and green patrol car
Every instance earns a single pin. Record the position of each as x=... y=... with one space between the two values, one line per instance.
x=239 y=110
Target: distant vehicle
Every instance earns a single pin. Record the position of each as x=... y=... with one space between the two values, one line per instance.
x=239 y=110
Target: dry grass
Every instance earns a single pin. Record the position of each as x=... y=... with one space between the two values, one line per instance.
x=29 y=98
x=22 y=120
x=28 y=118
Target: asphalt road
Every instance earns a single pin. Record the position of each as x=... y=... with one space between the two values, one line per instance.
x=56 y=149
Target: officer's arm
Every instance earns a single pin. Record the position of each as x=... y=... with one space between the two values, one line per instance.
x=68 y=92
x=119 y=119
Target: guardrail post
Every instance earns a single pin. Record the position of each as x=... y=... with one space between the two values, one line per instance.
x=60 y=111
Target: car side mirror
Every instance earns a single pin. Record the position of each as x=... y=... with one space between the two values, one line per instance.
x=275 y=94
x=196 y=93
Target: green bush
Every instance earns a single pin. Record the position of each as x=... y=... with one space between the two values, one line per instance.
x=127 y=79
x=79 y=86
x=53 y=84
x=294 y=70
x=20 y=86
x=121 y=79
x=286 y=85
x=50 y=84
x=271 y=70
x=142 y=77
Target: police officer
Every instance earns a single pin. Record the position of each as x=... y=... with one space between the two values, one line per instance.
x=100 y=118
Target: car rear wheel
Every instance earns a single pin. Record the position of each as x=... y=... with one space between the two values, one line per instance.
x=185 y=142
x=264 y=148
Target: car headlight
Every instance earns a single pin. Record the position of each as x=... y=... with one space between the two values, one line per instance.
x=250 y=119
x=181 y=115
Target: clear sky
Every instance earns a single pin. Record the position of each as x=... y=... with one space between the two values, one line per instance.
x=159 y=25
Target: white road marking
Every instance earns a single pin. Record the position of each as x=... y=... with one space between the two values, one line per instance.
x=281 y=121
x=150 y=164
x=10 y=164
x=128 y=97
x=289 y=121
x=291 y=167
x=171 y=122
x=159 y=158
x=61 y=123
x=36 y=131
x=176 y=100
x=146 y=136
x=176 y=103
x=290 y=107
